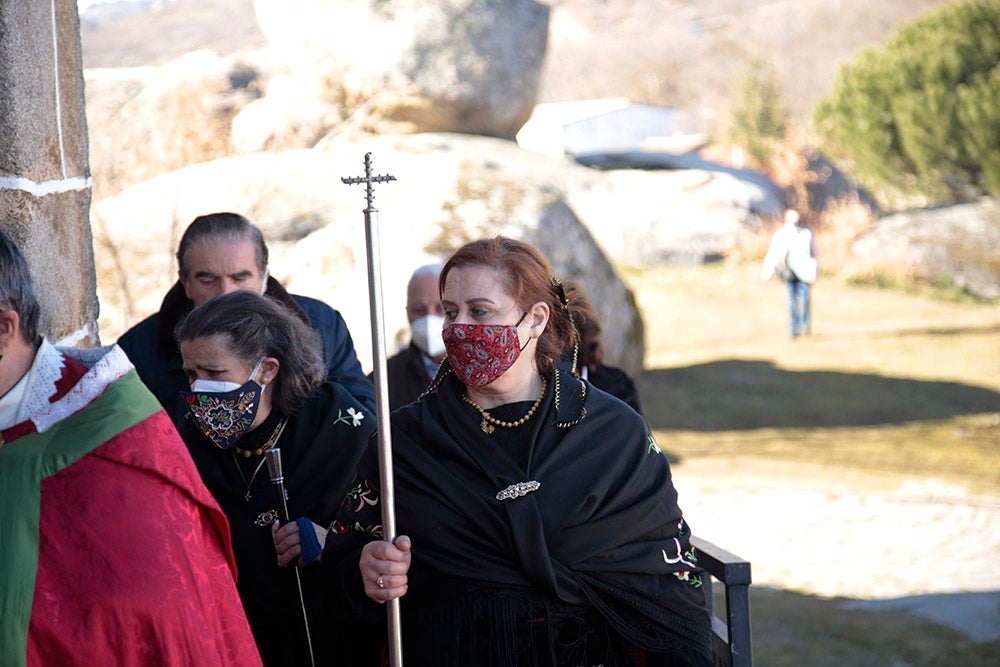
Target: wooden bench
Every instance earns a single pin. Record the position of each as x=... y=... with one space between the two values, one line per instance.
x=731 y=645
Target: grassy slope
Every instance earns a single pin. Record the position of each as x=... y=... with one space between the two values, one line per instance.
x=794 y=630
x=889 y=383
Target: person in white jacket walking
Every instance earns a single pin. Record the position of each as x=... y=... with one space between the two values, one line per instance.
x=792 y=256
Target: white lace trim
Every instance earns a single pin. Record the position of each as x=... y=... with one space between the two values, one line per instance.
x=107 y=364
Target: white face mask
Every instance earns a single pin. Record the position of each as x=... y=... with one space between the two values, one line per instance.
x=214 y=386
x=427 y=335
x=221 y=386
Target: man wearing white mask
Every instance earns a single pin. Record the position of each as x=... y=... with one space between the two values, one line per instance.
x=411 y=369
x=221 y=253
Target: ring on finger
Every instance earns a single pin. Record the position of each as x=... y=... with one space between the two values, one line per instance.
x=379 y=582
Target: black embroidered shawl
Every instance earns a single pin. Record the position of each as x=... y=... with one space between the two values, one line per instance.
x=602 y=532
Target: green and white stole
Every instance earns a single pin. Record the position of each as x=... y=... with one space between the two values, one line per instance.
x=24 y=463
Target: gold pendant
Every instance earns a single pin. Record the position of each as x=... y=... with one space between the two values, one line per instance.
x=486 y=426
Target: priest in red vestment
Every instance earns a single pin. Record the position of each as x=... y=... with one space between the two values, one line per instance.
x=113 y=550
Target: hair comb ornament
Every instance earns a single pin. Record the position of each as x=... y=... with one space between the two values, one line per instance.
x=561 y=293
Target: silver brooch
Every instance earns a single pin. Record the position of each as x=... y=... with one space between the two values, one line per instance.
x=266 y=518
x=518 y=490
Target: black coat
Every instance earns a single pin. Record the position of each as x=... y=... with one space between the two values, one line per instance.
x=617 y=383
x=151 y=346
x=407 y=376
x=320 y=447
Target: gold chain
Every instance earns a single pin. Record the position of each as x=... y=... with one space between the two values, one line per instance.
x=489 y=421
x=583 y=398
x=247 y=453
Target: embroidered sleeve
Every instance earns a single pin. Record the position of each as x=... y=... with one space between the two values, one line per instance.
x=676 y=550
x=359 y=512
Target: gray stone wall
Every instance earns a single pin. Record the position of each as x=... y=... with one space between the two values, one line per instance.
x=44 y=173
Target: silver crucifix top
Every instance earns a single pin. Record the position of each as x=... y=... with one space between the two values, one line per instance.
x=368 y=180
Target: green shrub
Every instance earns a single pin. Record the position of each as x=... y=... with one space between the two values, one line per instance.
x=921 y=115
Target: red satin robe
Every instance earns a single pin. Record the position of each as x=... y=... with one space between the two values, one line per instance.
x=135 y=565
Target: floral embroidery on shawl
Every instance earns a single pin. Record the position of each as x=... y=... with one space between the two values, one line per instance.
x=688 y=558
x=353 y=417
x=359 y=497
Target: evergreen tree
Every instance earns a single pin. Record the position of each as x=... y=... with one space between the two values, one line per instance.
x=921 y=115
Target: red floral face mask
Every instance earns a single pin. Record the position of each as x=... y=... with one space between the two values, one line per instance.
x=480 y=353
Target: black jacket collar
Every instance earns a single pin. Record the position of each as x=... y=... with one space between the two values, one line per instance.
x=176 y=305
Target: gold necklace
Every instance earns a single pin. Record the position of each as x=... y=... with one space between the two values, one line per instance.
x=555 y=399
x=267 y=445
x=489 y=421
x=247 y=453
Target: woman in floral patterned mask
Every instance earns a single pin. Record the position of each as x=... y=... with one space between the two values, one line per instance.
x=545 y=527
x=256 y=375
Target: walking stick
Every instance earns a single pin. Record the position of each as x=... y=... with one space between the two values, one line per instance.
x=381 y=389
x=281 y=496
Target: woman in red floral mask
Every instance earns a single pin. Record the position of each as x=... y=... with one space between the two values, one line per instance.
x=544 y=524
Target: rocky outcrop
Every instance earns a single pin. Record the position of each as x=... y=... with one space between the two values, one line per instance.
x=676 y=209
x=468 y=66
x=150 y=120
x=450 y=189
x=954 y=244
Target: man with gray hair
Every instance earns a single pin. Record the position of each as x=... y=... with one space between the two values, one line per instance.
x=113 y=550
x=411 y=369
x=221 y=253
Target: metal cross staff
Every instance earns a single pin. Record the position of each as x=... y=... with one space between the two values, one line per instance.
x=381 y=389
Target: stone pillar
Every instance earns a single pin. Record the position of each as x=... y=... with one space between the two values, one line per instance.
x=44 y=169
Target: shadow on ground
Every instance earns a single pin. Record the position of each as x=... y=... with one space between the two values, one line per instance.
x=935 y=331
x=792 y=629
x=756 y=394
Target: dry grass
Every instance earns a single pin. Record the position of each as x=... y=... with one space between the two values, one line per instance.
x=887 y=381
x=837 y=227
x=890 y=386
x=792 y=630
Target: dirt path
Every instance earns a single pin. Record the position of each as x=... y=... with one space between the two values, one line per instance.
x=844 y=535
x=854 y=535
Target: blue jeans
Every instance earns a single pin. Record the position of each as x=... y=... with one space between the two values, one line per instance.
x=798 y=301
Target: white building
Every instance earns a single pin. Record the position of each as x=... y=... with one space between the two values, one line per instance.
x=610 y=125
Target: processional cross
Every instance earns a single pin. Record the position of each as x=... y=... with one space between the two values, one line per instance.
x=381 y=387
x=368 y=180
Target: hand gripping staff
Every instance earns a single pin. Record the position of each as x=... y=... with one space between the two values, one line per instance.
x=281 y=497
x=381 y=389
